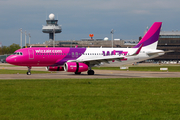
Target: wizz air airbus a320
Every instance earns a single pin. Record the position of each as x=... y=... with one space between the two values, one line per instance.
x=79 y=60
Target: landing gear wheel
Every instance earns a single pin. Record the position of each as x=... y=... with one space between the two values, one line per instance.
x=90 y=72
x=77 y=73
x=28 y=73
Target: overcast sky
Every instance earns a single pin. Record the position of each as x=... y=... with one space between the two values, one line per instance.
x=79 y=18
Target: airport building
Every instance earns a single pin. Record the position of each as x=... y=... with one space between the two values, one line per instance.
x=87 y=43
x=169 y=41
x=51 y=27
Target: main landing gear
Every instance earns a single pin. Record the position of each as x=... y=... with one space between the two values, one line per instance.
x=90 y=71
x=29 y=71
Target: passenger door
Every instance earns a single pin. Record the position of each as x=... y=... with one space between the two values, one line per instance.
x=31 y=54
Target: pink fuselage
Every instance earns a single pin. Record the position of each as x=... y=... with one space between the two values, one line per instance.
x=44 y=56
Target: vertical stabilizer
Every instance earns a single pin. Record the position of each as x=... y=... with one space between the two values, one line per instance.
x=150 y=39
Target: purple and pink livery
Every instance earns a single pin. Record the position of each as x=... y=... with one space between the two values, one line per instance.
x=79 y=60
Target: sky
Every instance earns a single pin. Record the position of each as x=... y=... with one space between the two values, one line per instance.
x=79 y=18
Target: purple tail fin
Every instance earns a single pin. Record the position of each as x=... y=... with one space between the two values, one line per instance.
x=150 y=39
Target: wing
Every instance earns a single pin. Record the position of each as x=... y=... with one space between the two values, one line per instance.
x=107 y=59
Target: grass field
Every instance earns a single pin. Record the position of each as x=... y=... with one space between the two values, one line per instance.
x=90 y=99
x=6 y=71
x=143 y=68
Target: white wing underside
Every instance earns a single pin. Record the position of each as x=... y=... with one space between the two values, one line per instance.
x=105 y=59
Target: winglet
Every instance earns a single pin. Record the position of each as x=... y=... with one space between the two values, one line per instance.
x=138 y=50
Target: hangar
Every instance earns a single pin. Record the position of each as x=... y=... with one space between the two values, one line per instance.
x=169 y=41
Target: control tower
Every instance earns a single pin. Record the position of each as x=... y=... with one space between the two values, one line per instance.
x=51 y=27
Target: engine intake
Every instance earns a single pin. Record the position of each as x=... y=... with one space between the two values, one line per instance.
x=75 y=67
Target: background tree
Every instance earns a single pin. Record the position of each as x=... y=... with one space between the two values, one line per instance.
x=13 y=48
x=10 y=49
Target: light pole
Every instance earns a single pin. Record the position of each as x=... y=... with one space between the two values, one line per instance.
x=25 y=38
x=29 y=38
x=54 y=37
x=112 y=32
x=21 y=37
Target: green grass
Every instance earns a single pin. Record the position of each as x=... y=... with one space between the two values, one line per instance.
x=7 y=65
x=90 y=99
x=6 y=71
x=143 y=68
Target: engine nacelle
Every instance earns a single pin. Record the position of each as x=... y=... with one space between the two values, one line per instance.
x=75 y=67
x=55 y=68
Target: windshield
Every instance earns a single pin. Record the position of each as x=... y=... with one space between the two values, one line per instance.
x=17 y=53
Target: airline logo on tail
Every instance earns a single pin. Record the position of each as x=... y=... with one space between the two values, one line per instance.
x=150 y=39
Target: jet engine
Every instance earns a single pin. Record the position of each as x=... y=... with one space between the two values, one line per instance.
x=55 y=68
x=75 y=67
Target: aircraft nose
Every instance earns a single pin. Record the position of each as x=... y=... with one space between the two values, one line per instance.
x=10 y=60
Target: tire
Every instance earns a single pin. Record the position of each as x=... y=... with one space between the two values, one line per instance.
x=90 y=72
x=28 y=73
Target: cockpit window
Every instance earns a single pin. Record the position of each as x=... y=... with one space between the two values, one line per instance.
x=17 y=53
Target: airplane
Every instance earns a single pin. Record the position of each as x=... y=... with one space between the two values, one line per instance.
x=79 y=60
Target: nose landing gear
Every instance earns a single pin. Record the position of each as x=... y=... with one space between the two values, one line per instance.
x=29 y=71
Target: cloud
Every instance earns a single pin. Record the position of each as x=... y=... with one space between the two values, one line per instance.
x=80 y=17
x=140 y=12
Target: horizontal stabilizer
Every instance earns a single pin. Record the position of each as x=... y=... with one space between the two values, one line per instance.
x=169 y=51
x=151 y=53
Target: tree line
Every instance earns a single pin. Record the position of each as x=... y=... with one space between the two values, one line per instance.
x=9 y=49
